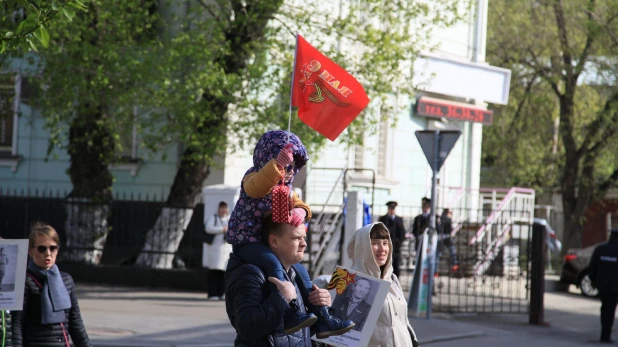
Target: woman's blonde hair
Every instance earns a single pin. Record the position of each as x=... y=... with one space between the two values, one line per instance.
x=43 y=229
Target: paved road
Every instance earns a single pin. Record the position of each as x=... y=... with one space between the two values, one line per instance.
x=140 y=317
x=137 y=317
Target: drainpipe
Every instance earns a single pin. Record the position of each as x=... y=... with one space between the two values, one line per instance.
x=480 y=32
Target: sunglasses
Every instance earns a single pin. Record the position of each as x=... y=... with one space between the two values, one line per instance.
x=43 y=249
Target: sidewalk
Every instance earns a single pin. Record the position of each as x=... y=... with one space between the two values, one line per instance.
x=135 y=317
x=140 y=317
x=443 y=330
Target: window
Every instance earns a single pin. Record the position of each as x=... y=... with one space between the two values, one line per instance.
x=6 y=125
x=7 y=112
x=359 y=156
x=128 y=138
x=127 y=159
x=10 y=85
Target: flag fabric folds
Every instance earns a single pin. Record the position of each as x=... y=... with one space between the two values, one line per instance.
x=328 y=98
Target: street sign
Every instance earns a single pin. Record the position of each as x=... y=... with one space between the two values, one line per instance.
x=447 y=140
x=436 y=144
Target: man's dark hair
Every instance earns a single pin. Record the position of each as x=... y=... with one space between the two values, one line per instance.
x=270 y=228
x=222 y=204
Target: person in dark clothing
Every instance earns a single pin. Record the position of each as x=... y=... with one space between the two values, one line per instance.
x=603 y=272
x=51 y=312
x=395 y=227
x=444 y=231
x=421 y=222
x=255 y=310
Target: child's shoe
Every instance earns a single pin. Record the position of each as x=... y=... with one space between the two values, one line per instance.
x=295 y=320
x=328 y=325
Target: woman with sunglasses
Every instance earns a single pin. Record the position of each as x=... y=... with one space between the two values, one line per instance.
x=51 y=313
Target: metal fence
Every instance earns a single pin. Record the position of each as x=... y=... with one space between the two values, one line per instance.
x=488 y=273
x=111 y=234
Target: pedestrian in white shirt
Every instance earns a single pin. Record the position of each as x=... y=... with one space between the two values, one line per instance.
x=217 y=253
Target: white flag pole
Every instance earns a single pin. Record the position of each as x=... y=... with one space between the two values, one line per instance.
x=292 y=84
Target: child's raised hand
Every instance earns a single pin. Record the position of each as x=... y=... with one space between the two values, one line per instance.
x=285 y=157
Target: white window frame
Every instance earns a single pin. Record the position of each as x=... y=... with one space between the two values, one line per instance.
x=383 y=149
x=359 y=157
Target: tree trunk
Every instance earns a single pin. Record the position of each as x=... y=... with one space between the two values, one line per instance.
x=573 y=206
x=87 y=230
x=163 y=239
x=573 y=220
x=91 y=148
x=244 y=35
x=573 y=213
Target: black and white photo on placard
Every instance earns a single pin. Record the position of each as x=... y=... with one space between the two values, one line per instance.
x=359 y=298
x=13 y=260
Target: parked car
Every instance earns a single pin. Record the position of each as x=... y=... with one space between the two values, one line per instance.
x=575 y=270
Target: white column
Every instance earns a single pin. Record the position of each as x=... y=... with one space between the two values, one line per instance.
x=353 y=222
x=476 y=129
x=474 y=157
x=480 y=35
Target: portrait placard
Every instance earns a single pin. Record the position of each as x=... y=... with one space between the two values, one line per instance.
x=13 y=259
x=359 y=298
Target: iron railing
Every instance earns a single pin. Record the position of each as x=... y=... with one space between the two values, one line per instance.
x=502 y=286
x=118 y=239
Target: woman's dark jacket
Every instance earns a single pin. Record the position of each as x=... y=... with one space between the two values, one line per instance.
x=28 y=330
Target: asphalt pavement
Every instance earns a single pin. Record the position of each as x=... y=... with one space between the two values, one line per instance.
x=131 y=317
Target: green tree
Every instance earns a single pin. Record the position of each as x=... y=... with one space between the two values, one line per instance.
x=208 y=75
x=560 y=127
x=25 y=24
x=89 y=78
x=228 y=86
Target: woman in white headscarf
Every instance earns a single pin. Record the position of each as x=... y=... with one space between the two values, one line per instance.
x=371 y=251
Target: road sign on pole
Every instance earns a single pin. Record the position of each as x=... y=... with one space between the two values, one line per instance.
x=436 y=144
x=447 y=140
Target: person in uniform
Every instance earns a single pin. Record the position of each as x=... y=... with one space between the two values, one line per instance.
x=421 y=222
x=445 y=229
x=395 y=227
x=603 y=272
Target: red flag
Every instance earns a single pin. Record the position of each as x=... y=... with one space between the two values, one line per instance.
x=328 y=97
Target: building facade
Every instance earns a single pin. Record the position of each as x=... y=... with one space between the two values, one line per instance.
x=455 y=88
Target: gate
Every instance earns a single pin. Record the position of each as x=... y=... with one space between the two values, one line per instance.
x=485 y=266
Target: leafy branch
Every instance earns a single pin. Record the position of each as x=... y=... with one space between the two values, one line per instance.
x=40 y=15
